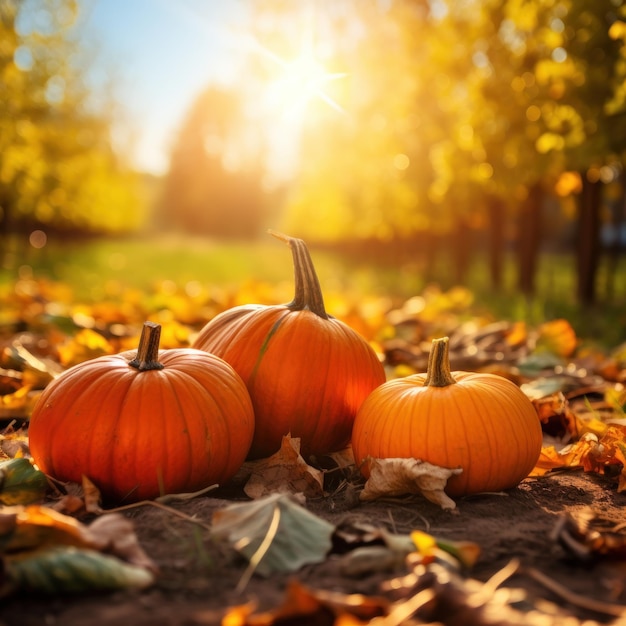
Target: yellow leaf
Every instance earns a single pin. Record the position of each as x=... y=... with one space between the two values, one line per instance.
x=85 y=345
x=557 y=337
x=424 y=542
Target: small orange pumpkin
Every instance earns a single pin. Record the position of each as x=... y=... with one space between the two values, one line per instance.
x=307 y=372
x=482 y=423
x=143 y=424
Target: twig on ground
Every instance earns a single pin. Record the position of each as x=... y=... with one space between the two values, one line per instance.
x=606 y=608
x=403 y=611
x=160 y=503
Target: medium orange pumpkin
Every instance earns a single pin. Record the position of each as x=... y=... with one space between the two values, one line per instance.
x=482 y=423
x=307 y=372
x=143 y=424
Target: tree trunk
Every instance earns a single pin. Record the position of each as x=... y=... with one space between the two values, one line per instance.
x=461 y=240
x=529 y=232
x=5 y=230
x=614 y=249
x=496 y=211
x=588 y=240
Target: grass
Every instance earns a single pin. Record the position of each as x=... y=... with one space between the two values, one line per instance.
x=89 y=268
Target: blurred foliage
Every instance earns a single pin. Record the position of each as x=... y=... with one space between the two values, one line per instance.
x=58 y=169
x=438 y=131
x=450 y=103
x=214 y=182
x=168 y=270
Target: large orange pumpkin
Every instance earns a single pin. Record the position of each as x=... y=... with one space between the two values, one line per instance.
x=307 y=372
x=142 y=424
x=479 y=422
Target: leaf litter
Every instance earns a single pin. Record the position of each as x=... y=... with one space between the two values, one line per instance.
x=548 y=552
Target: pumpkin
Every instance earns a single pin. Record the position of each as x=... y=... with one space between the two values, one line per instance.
x=307 y=372
x=146 y=423
x=482 y=423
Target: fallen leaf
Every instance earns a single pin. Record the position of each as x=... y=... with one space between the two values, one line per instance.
x=115 y=534
x=86 y=344
x=590 y=452
x=63 y=569
x=24 y=528
x=368 y=560
x=91 y=495
x=555 y=414
x=275 y=533
x=465 y=553
x=21 y=482
x=397 y=477
x=558 y=337
x=47 y=551
x=14 y=443
x=18 y=404
x=586 y=536
x=534 y=364
x=337 y=468
x=314 y=607
x=284 y=471
x=69 y=504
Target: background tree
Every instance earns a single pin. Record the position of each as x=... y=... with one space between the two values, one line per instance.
x=214 y=182
x=462 y=119
x=58 y=170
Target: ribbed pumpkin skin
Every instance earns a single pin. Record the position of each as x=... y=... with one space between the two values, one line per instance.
x=306 y=375
x=484 y=424
x=141 y=434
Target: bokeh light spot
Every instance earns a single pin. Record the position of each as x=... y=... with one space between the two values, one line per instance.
x=38 y=239
x=401 y=161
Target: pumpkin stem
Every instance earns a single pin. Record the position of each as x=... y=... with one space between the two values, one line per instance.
x=438 y=373
x=148 y=353
x=308 y=290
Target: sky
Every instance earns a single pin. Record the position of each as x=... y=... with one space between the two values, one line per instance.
x=161 y=54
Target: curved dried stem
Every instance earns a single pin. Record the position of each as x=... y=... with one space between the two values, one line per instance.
x=308 y=292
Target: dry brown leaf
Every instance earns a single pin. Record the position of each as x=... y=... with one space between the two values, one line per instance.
x=92 y=496
x=115 y=534
x=69 y=504
x=310 y=606
x=285 y=471
x=586 y=536
x=592 y=453
x=13 y=443
x=397 y=477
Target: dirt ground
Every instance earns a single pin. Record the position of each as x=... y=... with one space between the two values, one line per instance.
x=198 y=576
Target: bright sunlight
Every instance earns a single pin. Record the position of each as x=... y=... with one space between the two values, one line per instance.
x=300 y=81
x=292 y=85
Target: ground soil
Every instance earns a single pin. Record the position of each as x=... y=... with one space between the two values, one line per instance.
x=198 y=576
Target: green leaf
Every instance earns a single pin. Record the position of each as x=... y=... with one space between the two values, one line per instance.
x=21 y=483
x=66 y=569
x=535 y=363
x=274 y=533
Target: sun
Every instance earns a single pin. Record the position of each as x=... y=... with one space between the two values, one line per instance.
x=301 y=80
x=280 y=90
x=291 y=87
